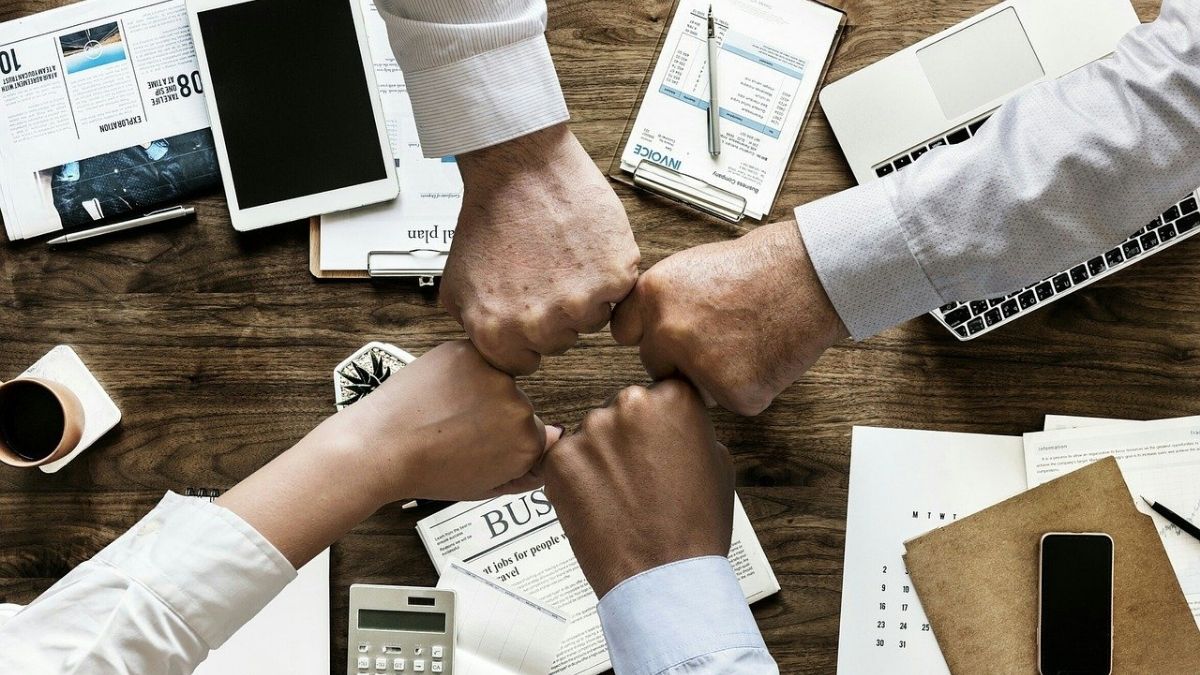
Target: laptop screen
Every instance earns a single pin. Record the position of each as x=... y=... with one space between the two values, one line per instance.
x=980 y=63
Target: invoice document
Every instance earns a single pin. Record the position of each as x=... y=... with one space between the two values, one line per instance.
x=903 y=484
x=772 y=54
x=1160 y=460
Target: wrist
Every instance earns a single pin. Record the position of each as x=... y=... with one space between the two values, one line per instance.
x=366 y=473
x=525 y=156
x=796 y=271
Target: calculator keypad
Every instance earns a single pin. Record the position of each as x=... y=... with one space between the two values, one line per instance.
x=431 y=659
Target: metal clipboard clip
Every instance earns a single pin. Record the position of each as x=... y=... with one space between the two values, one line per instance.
x=691 y=191
x=426 y=264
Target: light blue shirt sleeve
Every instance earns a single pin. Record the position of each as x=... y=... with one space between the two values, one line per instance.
x=685 y=617
x=1064 y=171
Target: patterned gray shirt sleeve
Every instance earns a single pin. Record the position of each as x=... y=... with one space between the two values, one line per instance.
x=1062 y=172
x=478 y=71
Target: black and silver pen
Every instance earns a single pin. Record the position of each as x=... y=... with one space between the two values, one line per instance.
x=148 y=219
x=1176 y=519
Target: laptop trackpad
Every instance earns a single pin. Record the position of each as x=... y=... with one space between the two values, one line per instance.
x=980 y=63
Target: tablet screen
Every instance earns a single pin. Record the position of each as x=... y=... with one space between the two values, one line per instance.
x=292 y=97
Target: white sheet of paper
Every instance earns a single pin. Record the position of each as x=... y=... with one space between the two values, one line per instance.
x=425 y=214
x=1159 y=459
x=500 y=631
x=771 y=57
x=903 y=484
x=290 y=635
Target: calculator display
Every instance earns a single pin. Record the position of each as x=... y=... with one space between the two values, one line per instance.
x=421 y=622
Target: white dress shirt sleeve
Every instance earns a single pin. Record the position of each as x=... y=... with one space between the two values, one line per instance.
x=1059 y=174
x=478 y=71
x=156 y=600
x=685 y=617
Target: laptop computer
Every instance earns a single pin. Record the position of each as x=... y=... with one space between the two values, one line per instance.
x=941 y=90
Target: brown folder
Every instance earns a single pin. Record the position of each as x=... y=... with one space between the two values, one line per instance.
x=977 y=579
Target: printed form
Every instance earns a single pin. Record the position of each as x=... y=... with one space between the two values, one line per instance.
x=1160 y=460
x=769 y=64
x=903 y=484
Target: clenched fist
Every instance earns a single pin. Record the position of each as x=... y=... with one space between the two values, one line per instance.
x=643 y=483
x=543 y=249
x=741 y=319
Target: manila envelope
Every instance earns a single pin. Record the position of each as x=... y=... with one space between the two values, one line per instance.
x=977 y=579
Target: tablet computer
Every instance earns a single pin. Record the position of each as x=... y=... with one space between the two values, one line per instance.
x=295 y=112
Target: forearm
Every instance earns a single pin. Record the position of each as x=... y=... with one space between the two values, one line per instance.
x=478 y=73
x=1059 y=174
x=310 y=496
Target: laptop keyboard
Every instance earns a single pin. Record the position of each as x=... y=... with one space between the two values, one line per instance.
x=968 y=320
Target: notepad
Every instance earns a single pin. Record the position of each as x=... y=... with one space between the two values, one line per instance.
x=500 y=631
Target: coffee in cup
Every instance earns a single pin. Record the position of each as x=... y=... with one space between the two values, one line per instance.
x=40 y=422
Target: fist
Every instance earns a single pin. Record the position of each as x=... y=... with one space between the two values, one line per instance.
x=741 y=319
x=542 y=250
x=643 y=483
x=447 y=410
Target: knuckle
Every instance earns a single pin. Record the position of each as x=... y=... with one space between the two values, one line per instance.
x=635 y=396
x=595 y=421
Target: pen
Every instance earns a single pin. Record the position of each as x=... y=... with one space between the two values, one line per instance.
x=1179 y=521
x=148 y=219
x=714 y=106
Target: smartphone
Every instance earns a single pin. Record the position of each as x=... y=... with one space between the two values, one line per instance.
x=1076 y=598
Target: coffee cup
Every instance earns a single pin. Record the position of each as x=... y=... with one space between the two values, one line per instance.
x=41 y=421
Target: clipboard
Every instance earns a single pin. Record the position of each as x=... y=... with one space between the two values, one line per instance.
x=676 y=186
x=423 y=264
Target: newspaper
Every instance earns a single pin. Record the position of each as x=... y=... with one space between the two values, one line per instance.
x=102 y=115
x=517 y=541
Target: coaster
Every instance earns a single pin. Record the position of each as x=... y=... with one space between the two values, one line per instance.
x=100 y=414
x=365 y=370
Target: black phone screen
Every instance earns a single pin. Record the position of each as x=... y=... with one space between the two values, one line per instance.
x=1076 y=615
x=293 y=98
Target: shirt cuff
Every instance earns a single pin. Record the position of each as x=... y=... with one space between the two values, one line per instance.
x=487 y=99
x=861 y=254
x=207 y=564
x=676 y=613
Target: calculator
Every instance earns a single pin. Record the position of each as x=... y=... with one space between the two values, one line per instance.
x=400 y=629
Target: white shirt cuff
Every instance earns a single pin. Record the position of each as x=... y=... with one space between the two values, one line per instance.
x=207 y=564
x=677 y=613
x=861 y=254
x=486 y=99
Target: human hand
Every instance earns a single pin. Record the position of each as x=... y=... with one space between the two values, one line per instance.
x=542 y=250
x=643 y=483
x=448 y=427
x=741 y=319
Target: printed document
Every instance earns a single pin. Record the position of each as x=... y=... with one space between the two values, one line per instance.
x=771 y=57
x=1160 y=460
x=425 y=214
x=102 y=115
x=903 y=484
x=499 y=631
x=517 y=541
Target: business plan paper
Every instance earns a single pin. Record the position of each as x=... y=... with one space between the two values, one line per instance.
x=1160 y=460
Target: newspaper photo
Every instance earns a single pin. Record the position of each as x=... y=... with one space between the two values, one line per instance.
x=517 y=541
x=102 y=115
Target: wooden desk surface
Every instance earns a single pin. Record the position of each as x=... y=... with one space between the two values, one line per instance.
x=218 y=347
